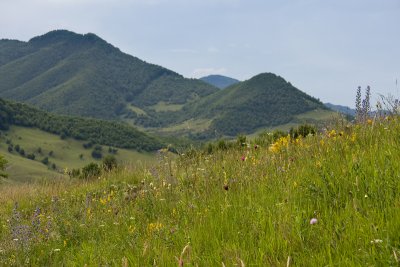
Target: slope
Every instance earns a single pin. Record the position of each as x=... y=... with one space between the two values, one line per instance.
x=83 y=75
x=264 y=100
x=93 y=130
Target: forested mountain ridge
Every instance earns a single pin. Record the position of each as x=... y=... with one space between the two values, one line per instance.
x=83 y=75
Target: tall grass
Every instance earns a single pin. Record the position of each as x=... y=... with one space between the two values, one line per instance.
x=248 y=205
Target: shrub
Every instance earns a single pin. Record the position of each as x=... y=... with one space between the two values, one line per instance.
x=45 y=161
x=97 y=154
x=3 y=163
x=31 y=156
x=109 y=163
x=302 y=131
x=90 y=170
x=74 y=173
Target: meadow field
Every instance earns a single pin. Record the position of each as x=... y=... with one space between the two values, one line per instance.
x=329 y=199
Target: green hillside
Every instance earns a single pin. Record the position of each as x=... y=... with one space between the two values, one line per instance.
x=62 y=154
x=265 y=100
x=219 y=81
x=93 y=130
x=83 y=75
x=329 y=199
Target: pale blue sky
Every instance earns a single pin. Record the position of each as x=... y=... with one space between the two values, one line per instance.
x=324 y=47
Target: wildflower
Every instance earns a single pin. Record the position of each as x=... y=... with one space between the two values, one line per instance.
x=103 y=201
x=280 y=144
x=256 y=146
x=353 y=137
x=243 y=158
x=131 y=229
x=313 y=221
x=318 y=164
x=56 y=250
x=369 y=121
x=332 y=133
x=226 y=187
x=154 y=227
x=376 y=241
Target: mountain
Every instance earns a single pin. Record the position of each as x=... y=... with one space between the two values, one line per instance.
x=83 y=75
x=342 y=109
x=219 y=81
x=93 y=130
x=266 y=100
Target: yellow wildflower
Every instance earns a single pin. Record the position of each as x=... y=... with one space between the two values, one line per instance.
x=281 y=143
x=131 y=229
x=332 y=133
x=154 y=227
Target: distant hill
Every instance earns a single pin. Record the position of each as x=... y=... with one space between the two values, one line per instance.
x=342 y=109
x=219 y=81
x=93 y=130
x=83 y=75
x=265 y=100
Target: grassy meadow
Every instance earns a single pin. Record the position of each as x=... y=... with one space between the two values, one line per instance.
x=64 y=153
x=332 y=199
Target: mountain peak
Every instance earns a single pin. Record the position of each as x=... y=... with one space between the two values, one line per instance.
x=219 y=81
x=57 y=36
x=53 y=36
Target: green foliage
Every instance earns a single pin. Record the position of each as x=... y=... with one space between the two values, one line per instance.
x=98 y=131
x=3 y=163
x=97 y=152
x=109 y=163
x=74 y=173
x=302 y=131
x=241 y=140
x=253 y=206
x=91 y=170
x=83 y=75
x=45 y=160
x=263 y=101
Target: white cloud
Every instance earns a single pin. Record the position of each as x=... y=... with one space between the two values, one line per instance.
x=201 y=72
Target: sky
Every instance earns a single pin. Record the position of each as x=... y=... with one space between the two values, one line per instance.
x=326 y=48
